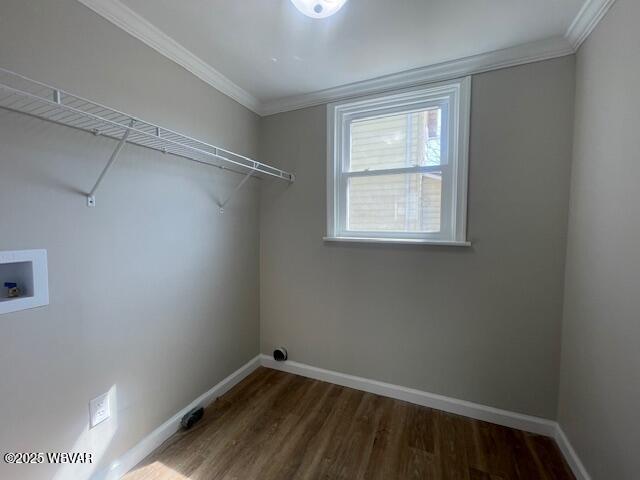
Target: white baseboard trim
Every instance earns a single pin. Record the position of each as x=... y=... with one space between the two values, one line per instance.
x=528 y=423
x=506 y=418
x=570 y=455
x=131 y=458
x=541 y=426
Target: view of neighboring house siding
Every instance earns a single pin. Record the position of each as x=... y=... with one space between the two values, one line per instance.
x=409 y=202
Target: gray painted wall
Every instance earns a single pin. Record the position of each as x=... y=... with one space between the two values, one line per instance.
x=155 y=288
x=480 y=324
x=153 y=291
x=600 y=373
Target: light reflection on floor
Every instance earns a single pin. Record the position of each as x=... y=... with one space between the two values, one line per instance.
x=156 y=471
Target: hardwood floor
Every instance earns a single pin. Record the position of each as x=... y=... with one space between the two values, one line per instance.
x=275 y=425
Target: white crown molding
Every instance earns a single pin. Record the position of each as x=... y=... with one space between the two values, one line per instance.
x=509 y=57
x=122 y=16
x=586 y=21
x=118 y=468
x=132 y=23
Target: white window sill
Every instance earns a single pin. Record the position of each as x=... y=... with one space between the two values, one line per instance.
x=399 y=241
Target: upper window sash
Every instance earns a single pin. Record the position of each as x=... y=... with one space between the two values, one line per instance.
x=372 y=113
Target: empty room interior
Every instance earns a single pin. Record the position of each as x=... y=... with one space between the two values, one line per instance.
x=319 y=239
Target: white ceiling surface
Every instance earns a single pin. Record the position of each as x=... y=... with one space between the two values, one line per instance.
x=272 y=51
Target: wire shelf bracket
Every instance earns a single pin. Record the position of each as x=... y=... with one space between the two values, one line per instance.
x=235 y=190
x=91 y=197
x=24 y=95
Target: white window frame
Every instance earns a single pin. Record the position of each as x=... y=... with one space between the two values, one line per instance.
x=456 y=94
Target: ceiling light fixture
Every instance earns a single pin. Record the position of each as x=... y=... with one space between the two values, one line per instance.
x=319 y=8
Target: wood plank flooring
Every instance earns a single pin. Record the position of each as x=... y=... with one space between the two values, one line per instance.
x=278 y=426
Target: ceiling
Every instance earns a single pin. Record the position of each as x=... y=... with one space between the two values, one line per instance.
x=268 y=52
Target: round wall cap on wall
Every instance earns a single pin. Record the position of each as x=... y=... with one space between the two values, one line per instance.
x=280 y=354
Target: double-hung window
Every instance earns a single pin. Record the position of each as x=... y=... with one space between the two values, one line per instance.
x=397 y=166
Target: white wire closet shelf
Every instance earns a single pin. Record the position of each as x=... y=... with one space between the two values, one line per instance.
x=23 y=95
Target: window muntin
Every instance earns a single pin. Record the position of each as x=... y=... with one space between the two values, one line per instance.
x=397 y=165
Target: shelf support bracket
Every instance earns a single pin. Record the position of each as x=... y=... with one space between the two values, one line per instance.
x=91 y=197
x=235 y=190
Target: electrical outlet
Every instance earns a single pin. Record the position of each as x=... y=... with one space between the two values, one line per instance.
x=99 y=409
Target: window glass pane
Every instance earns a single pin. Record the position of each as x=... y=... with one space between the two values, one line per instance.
x=395 y=203
x=397 y=141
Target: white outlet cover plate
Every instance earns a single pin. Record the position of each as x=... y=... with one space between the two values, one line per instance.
x=99 y=409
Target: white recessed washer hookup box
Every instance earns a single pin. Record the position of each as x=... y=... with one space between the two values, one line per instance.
x=24 y=280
